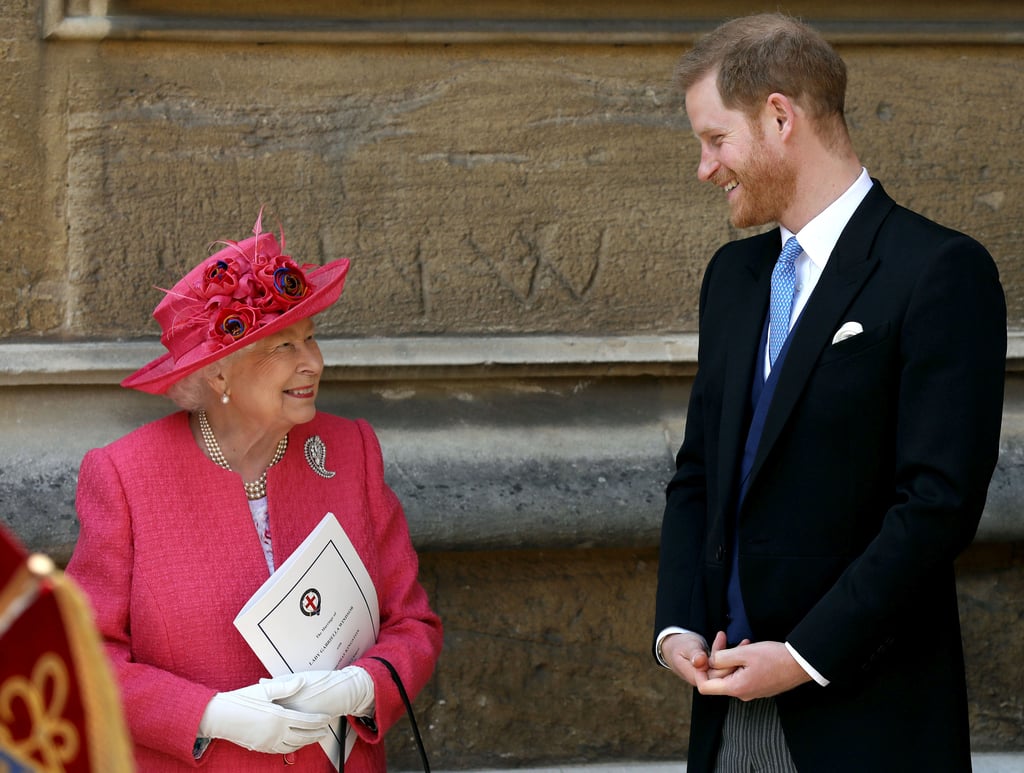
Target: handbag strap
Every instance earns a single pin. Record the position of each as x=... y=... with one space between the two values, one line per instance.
x=408 y=709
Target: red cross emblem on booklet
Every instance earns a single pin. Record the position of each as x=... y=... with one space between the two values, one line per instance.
x=310 y=604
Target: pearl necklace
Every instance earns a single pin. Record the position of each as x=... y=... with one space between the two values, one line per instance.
x=258 y=488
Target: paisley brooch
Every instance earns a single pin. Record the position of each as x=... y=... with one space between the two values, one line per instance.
x=316 y=455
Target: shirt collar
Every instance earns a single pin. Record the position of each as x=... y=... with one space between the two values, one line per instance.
x=818 y=238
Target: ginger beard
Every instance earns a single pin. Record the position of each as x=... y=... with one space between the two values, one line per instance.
x=767 y=185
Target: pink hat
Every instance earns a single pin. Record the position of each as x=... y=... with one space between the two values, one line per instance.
x=243 y=293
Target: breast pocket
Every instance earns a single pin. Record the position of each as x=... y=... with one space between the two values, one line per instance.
x=854 y=376
x=855 y=345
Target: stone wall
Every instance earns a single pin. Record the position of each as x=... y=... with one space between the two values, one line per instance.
x=527 y=237
x=507 y=188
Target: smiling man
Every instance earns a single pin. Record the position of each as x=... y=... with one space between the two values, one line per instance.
x=841 y=433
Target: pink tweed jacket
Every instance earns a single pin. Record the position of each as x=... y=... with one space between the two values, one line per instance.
x=168 y=554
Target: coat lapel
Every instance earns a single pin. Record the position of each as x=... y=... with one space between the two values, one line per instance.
x=851 y=263
x=751 y=306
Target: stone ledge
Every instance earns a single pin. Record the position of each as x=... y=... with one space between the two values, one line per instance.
x=490 y=443
x=359 y=359
x=474 y=472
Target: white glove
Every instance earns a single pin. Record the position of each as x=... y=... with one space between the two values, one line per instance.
x=250 y=718
x=347 y=692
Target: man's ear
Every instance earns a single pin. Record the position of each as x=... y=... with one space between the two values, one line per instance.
x=780 y=111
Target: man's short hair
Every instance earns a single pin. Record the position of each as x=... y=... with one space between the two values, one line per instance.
x=758 y=55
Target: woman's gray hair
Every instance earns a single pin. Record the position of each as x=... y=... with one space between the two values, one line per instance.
x=193 y=393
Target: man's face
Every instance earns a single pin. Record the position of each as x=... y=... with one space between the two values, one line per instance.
x=737 y=156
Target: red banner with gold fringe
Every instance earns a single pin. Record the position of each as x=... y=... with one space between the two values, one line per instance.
x=59 y=709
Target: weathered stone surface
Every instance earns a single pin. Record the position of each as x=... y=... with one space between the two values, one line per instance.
x=991 y=592
x=527 y=190
x=478 y=189
x=501 y=464
x=547 y=659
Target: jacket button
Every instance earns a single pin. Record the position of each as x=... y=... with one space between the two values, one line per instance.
x=720 y=553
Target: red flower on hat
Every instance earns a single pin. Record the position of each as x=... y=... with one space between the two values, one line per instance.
x=221 y=280
x=248 y=285
x=233 y=321
x=284 y=282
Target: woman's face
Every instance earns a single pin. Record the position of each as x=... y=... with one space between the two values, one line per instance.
x=273 y=383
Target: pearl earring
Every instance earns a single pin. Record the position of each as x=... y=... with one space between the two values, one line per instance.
x=225 y=398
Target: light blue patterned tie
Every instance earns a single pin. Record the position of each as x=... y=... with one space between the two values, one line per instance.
x=783 y=288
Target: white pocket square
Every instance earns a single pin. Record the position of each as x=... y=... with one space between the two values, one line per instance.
x=848 y=330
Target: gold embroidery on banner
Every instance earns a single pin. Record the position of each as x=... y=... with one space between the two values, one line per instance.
x=54 y=738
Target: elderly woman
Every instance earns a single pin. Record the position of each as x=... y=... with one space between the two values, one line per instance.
x=184 y=518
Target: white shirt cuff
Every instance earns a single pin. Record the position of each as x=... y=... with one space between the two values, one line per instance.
x=811 y=672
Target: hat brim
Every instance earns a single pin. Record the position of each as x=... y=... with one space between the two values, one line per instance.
x=157 y=376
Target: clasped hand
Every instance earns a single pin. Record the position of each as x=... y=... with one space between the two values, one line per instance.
x=251 y=718
x=348 y=692
x=284 y=713
x=746 y=671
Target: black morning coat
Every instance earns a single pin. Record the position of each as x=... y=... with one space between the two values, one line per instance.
x=870 y=477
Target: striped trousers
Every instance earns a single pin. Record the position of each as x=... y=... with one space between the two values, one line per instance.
x=752 y=740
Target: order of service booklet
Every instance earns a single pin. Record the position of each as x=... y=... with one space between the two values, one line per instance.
x=317 y=611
